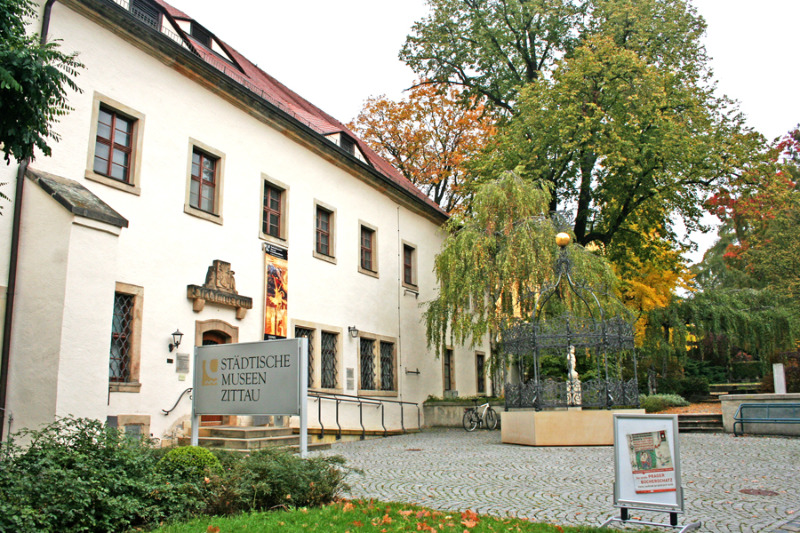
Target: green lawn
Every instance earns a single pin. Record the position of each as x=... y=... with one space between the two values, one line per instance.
x=358 y=516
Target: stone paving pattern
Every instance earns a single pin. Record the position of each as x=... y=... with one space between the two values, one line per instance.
x=453 y=470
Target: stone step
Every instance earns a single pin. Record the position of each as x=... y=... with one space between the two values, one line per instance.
x=255 y=443
x=239 y=432
x=700 y=423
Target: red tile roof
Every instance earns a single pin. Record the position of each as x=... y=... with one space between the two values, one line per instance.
x=290 y=102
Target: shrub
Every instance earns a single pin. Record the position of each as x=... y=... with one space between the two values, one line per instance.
x=748 y=371
x=192 y=461
x=77 y=475
x=688 y=387
x=658 y=402
x=273 y=477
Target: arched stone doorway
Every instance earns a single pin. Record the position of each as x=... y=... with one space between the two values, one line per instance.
x=208 y=332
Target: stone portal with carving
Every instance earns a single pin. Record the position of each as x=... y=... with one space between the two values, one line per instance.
x=220 y=289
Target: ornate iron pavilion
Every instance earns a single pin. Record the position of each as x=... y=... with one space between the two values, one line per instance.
x=608 y=341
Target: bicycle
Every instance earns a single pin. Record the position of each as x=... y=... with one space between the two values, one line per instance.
x=480 y=416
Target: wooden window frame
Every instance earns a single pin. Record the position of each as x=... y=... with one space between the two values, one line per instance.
x=283 y=216
x=413 y=283
x=114 y=146
x=202 y=183
x=135 y=340
x=204 y=150
x=448 y=367
x=132 y=183
x=330 y=257
x=372 y=269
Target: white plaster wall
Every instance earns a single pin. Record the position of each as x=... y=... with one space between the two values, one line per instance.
x=37 y=329
x=86 y=326
x=8 y=176
x=165 y=249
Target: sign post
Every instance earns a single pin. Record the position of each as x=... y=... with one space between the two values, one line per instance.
x=647 y=468
x=256 y=378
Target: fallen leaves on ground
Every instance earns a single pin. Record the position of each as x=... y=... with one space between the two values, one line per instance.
x=702 y=408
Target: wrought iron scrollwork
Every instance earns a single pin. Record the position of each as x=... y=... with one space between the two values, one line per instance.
x=607 y=342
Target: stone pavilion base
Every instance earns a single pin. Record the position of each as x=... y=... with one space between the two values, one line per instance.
x=572 y=427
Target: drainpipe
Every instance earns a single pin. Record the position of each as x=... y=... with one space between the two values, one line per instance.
x=12 y=285
x=12 y=262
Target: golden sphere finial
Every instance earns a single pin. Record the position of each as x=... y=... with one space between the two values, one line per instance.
x=563 y=239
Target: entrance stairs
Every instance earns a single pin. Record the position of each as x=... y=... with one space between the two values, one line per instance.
x=700 y=423
x=249 y=439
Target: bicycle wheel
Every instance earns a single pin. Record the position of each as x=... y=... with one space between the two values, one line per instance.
x=470 y=420
x=490 y=418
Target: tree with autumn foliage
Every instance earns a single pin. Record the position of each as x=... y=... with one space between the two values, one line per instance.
x=630 y=146
x=428 y=136
x=745 y=307
x=610 y=101
x=496 y=258
x=760 y=214
x=492 y=49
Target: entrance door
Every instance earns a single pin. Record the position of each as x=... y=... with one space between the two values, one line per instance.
x=209 y=338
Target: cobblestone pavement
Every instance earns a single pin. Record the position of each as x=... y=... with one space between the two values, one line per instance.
x=450 y=469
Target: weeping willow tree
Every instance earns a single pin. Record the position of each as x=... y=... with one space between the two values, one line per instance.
x=494 y=261
x=720 y=323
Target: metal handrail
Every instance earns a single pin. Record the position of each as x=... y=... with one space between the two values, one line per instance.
x=168 y=411
x=379 y=403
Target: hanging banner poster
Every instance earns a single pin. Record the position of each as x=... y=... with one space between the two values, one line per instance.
x=276 y=278
x=651 y=462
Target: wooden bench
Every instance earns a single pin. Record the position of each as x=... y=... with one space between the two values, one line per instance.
x=765 y=413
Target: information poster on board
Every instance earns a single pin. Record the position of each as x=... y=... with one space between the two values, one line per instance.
x=651 y=462
x=647 y=462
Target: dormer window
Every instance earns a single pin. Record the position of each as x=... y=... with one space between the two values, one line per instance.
x=202 y=35
x=347 y=144
x=145 y=12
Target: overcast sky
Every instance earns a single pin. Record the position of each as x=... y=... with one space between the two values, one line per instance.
x=337 y=54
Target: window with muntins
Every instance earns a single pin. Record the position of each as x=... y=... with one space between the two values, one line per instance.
x=204 y=182
x=271 y=220
x=409 y=266
x=387 y=366
x=119 y=369
x=329 y=371
x=113 y=145
x=324 y=227
x=307 y=333
x=367 y=248
x=367 y=364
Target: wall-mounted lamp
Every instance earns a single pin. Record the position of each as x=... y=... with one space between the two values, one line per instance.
x=353 y=331
x=177 y=337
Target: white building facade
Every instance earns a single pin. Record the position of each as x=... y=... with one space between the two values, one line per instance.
x=191 y=191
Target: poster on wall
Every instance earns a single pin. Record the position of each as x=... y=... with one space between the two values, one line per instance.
x=276 y=280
